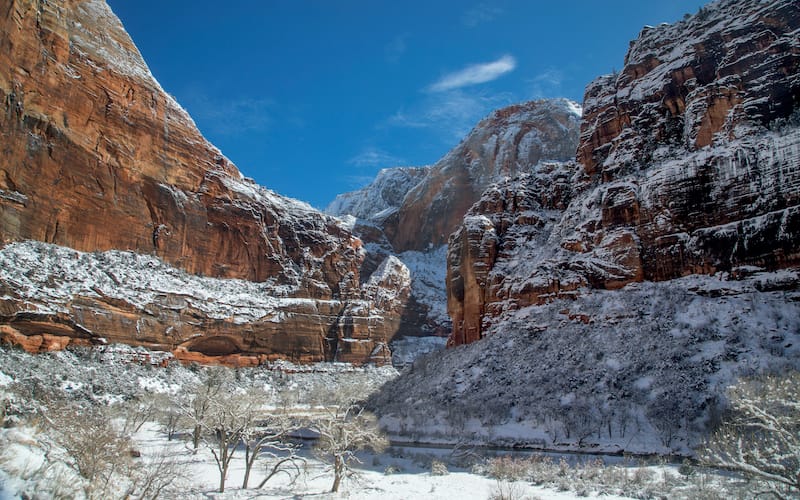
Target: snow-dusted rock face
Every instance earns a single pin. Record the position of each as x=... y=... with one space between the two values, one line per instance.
x=52 y=296
x=709 y=78
x=380 y=198
x=510 y=140
x=497 y=253
x=96 y=156
x=410 y=212
x=650 y=197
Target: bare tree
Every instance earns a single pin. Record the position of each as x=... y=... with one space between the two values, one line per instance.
x=343 y=430
x=170 y=413
x=266 y=437
x=224 y=423
x=760 y=438
x=157 y=478
x=196 y=408
x=136 y=412
x=90 y=446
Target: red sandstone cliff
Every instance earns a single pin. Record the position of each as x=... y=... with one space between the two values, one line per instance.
x=508 y=141
x=689 y=162
x=96 y=156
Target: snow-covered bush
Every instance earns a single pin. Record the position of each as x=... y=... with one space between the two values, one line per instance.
x=439 y=468
x=760 y=437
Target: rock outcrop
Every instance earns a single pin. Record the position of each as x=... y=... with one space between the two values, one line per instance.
x=689 y=163
x=380 y=198
x=508 y=141
x=96 y=156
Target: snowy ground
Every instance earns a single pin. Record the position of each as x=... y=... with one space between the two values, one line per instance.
x=376 y=479
x=386 y=476
x=33 y=464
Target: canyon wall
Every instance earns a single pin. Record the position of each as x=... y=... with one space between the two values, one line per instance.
x=688 y=163
x=508 y=141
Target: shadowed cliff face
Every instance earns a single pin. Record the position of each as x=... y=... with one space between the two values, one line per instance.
x=96 y=156
x=689 y=163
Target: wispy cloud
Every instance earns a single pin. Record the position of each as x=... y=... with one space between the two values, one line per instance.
x=475 y=74
x=358 y=181
x=229 y=116
x=547 y=84
x=450 y=115
x=396 y=47
x=479 y=14
x=375 y=157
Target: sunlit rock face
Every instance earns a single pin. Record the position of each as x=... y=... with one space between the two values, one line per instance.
x=688 y=163
x=96 y=156
x=508 y=141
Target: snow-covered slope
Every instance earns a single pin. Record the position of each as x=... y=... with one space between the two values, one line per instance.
x=52 y=296
x=642 y=369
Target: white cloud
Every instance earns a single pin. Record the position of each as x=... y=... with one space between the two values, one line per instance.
x=480 y=14
x=375 y=157
x=475 y=74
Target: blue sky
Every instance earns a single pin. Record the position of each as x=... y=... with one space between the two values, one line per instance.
x=312 y=97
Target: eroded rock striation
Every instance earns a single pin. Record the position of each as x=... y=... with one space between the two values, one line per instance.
x=96 y=156
x=688 y=163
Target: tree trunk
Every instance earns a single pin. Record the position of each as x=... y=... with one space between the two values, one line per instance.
x=338 y=470
x=248 y=464
x=196 y=436
x=222 y=478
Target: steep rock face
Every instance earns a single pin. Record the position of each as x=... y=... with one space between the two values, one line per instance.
x=715 y=75
x=380 y=198
x=510 y=140
x=648 y=200
x=508 y=227
x=97 y=157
